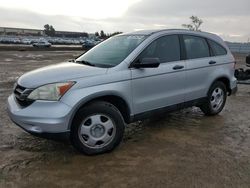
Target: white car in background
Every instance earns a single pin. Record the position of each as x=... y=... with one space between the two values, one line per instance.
x=41 y=44
x=25 y=41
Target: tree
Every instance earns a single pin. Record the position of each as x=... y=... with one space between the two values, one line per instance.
x=102 y=34
x=46 y=29
x=52 y=31
x=49 y=30
x=97 y=34
x=195 y=24
x=115 y=33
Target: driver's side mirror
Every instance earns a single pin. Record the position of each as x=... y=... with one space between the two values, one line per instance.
x=248 y=60
x=71 y=60
x=147 y=63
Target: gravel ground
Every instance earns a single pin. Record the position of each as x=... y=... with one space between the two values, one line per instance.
x=181 y=149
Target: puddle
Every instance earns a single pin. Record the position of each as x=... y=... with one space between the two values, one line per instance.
x=34 y=56
x=8 y=59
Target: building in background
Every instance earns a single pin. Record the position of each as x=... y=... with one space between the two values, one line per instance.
x=20 y=31
x=39 y=32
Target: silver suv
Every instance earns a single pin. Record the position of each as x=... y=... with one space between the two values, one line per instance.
x=124 y=79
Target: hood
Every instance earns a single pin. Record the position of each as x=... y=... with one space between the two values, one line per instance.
x=58 y=73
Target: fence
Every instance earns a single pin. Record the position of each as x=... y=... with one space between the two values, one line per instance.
x=239 y=47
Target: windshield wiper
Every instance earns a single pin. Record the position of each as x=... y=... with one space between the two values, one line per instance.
x=85 y=63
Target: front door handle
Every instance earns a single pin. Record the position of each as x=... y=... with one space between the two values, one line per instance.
x=177 y=67
x=212 y=62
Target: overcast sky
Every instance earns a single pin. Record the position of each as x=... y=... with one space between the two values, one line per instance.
x=228 y=18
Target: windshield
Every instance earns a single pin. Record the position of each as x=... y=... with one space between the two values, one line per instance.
x=112 y=51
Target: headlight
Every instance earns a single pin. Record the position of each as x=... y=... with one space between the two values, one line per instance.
x=51 y=92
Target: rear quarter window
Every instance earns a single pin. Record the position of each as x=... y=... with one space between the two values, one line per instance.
x=217 y=49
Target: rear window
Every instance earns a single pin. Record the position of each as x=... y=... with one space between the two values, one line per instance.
x=196 y=47
x=217 y=49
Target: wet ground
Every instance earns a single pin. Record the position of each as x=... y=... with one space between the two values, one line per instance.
x=182 y=149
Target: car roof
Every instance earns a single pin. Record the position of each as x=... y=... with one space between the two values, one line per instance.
x=154 y=31
x=178 y=31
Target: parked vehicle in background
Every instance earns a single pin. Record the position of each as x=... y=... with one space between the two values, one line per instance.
x=25 y=41
x=243 y=74
x=248 y=60
x=88 y=44
x=126 y=78
x=9 y=39
x=41 y=44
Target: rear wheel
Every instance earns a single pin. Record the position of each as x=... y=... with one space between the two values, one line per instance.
x=97 y=128
x=216 y=99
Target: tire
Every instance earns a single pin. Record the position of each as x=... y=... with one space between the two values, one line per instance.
x=216 y=99
x=97 y=128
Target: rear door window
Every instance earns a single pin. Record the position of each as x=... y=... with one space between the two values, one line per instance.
x=196 y=47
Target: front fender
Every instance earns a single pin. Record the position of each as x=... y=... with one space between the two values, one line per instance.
x=77 y=98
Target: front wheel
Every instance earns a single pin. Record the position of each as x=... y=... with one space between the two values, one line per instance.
x=216 y=99
x=97 y=128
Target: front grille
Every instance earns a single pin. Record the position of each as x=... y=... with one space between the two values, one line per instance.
x=21 y=96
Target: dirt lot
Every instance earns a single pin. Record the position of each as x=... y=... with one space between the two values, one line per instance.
x=182 y=149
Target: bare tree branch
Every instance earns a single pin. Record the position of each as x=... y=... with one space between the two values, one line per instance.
x=195 y=24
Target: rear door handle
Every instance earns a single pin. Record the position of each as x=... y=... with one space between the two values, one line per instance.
x=177 y=67
x=212 y=62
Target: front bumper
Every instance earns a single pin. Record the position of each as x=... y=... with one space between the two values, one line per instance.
x=41 y=117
